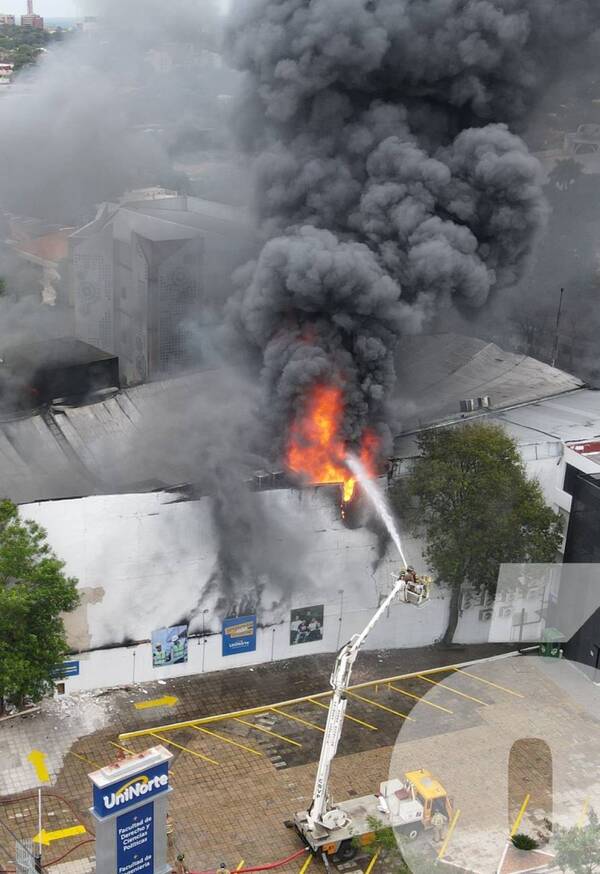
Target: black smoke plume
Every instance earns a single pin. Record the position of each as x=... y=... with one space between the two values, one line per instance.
x=390 y=179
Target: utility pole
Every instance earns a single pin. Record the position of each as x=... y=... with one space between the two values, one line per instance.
x=557 y=335
x=38 y=853
x=204 y=612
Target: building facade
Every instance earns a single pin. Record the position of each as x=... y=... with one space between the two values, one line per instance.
x=149 y=274
x=32 y=21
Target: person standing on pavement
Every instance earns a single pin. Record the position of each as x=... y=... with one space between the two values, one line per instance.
x=438 y=821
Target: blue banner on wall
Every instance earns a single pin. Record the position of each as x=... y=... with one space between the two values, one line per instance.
x=125 y=793
x=67 y=669
x=239 y=635
x=135 y=841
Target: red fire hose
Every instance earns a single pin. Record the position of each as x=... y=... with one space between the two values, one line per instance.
x=267 y=867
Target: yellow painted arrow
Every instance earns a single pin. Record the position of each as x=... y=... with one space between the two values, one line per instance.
x=165 y=701
x=38 y=760
x=46 y=838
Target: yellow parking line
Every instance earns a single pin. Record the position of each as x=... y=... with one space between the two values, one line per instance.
x=489 y=683
x=449 y=835
x=268 y=731
x=372 y=863
x=351 y=718
x=520 y=816
x=86 y=760
x=226 y=740
x=241 y=865
x=185 y=749
x=298 y=719
x=306 y=863
x=376 y=704
x=455 y=691
x=419 y=698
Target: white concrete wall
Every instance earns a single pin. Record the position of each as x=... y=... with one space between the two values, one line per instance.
x=143 y=562
x=402 y=628
x=146 y=559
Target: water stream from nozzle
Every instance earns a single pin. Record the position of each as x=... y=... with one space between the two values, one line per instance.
x=378 y=500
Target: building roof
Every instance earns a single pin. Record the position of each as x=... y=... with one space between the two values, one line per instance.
x=438 y=371
x=59 y=352
x=70 y=452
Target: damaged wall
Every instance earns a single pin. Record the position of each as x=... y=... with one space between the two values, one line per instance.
x=143 y=562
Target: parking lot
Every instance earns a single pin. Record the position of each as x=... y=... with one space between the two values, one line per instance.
x=241 y=769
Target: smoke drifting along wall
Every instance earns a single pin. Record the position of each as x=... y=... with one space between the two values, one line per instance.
x=387 y=173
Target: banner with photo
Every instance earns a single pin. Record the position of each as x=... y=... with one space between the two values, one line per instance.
x=169 y=646
x=239 y=635
x=306 y=624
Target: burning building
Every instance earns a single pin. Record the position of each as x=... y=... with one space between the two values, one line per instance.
x=129 y=455
x=389 y=183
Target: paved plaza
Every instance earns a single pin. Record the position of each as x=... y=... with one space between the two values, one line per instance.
x=508 y=738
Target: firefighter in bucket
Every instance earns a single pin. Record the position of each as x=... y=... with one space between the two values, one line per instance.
x=415 y=589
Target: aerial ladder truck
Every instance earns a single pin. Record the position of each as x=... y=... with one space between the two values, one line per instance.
x=406 y=805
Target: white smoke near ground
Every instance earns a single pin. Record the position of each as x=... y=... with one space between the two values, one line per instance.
x=388 y=173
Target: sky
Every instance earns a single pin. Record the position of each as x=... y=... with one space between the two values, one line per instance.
x=49 y=8
x=53 y=8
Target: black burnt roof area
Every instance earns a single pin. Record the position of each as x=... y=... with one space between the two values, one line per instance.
x=35 y=374
x=61 y=352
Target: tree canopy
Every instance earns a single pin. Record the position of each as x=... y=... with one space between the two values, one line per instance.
x=578 y=848
x=34 y=592
x=470 y=496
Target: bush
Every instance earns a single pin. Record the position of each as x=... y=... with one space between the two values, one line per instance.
x=524 y=842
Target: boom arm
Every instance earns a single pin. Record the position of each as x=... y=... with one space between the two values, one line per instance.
x=340 y=680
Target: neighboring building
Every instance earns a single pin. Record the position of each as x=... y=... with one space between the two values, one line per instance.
x=32 y=21
x=7 y=20
x=6 y=73
x=150 y=276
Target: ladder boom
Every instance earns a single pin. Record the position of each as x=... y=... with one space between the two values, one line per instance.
x=340 y=681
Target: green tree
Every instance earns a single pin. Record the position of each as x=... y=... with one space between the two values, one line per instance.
x=392 y=850
x=578 y=849
x=385 y=846
x=25 y=56
x=34 y=592
x=470 y=495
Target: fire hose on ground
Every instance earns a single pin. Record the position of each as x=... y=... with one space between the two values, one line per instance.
x=269 y=866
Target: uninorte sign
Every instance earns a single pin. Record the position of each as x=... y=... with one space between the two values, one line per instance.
x=135 y=841
x=130 y=812
x=125 y=792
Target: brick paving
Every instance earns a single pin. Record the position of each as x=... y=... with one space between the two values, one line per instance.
x=235 y=809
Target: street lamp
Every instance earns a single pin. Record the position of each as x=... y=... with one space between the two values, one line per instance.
x=204 y=612
x=339 y=634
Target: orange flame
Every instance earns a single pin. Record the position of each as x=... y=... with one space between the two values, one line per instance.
x=315 y=450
